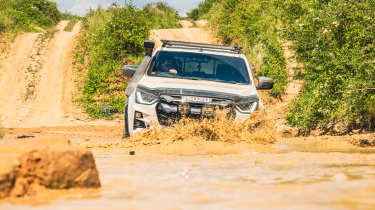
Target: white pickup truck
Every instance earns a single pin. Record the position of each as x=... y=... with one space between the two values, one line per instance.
x=191 y=80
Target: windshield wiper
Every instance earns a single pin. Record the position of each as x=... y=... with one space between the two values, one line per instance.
x=193 y=78
x=168 y=75
x=226 y=81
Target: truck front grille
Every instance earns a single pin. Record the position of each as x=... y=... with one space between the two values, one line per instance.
x=171 y=109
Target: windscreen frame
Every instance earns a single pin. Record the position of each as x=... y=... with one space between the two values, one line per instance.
x=244 y=70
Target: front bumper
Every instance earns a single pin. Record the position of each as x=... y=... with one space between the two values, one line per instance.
x=167 y=109
x=150 y=115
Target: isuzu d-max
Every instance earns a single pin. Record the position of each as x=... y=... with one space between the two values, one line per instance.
x=184 y=79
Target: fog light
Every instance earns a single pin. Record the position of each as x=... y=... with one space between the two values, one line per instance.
x=138 y=115
x=138 y=123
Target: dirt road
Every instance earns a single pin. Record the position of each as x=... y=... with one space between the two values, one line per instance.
x=322 y=172
x=48 y=103
x=188 y=33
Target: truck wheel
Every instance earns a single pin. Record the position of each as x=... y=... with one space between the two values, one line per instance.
x=126 y=133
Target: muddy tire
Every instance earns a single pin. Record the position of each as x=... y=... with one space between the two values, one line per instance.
x=126 y=133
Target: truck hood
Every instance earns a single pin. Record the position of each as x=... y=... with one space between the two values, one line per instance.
x=198 y=85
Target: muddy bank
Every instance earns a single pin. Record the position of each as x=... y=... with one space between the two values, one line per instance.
x=30 y=166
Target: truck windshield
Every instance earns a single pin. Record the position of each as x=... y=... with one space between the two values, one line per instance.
x=196 y=66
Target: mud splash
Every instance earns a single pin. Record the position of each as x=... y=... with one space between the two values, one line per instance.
x=256 y=129
x=221 y=135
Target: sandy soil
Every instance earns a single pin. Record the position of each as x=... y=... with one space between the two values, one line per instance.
x=12 y=81
x=186 y=24
x=187 y=33
x=324 y=172
x=51 y=103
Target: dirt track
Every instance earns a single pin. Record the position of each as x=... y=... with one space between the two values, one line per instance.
x=188 y=33
x=294 y=173
x=49 y=102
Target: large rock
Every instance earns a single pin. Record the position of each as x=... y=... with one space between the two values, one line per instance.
x=59 y=167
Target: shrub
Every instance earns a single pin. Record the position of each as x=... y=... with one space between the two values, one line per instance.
x=110 y=38
x=334 y=40
x=252 y=24
x=161 y=15
x=202 y=10
x=23 y=15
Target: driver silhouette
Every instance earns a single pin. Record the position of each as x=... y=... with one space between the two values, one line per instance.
x=169 y=65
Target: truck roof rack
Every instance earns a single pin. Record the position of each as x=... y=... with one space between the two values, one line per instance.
x=201 y=46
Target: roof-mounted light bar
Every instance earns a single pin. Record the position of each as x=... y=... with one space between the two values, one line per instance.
x=202 y=46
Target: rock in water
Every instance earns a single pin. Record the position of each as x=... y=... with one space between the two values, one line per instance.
x=57 y=168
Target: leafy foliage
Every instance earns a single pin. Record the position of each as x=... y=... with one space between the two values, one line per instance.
x=334 y=40
x=162 y=15
x=111 y=38
x=252 y=24
x=23 y=15
x=201 y=10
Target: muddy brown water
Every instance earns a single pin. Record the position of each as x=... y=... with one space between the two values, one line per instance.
x=285 y=175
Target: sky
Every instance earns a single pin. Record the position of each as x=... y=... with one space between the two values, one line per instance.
x=80 y=7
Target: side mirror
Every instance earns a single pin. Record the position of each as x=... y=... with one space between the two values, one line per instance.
x=265 y=83
x=129 y=70
x=149 y=47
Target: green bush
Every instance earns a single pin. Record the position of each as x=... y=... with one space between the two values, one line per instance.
x=24 y=15
x=161 y=16
x=253 y=25
x=202 y=10
x=111 y=38
x=334 y=40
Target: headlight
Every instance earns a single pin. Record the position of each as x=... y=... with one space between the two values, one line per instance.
x=145 y=98
x=247 y=107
